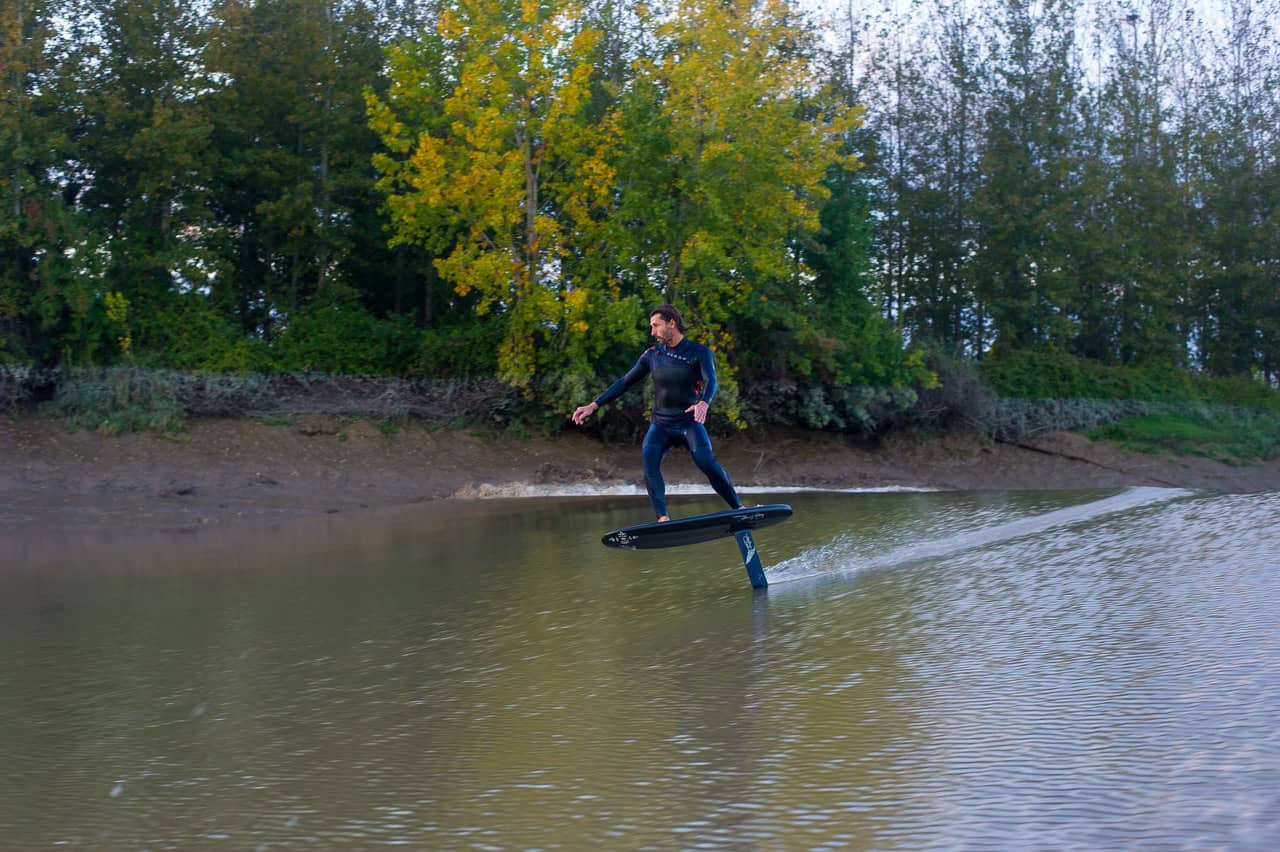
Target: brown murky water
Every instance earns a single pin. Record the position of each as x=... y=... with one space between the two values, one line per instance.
x=931 y=670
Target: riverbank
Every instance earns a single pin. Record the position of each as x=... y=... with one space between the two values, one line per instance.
x=223 y=471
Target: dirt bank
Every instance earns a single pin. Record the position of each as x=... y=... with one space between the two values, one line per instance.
x=238 y=471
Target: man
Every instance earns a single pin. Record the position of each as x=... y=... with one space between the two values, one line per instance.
x=684 y=381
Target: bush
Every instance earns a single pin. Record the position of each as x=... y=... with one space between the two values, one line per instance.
x=842 y=408
x=119 y=399
x=332 y=334
x=1057 y=375
x=1231 y=435
x=959 y=395
x=468 y=349
x=398 y=342
x=194 y=336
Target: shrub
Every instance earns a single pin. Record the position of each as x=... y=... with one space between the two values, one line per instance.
x=332 y=334
x=119 y=399
x=465 y=350
x=842 y=408
x=14 y=385
x=1057 y=375
x=1232 y=435
x=194 y=336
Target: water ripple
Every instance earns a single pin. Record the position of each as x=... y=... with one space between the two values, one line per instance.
x=1075 y=671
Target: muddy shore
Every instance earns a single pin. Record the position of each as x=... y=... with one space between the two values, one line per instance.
x=220 y=472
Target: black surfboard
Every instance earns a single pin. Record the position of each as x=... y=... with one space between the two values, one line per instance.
x=698 y=528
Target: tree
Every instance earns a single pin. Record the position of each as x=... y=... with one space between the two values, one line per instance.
x=1022 y=266
x=1145 y=154
x=1238 y=289
x=511 y=178
x=295 y=188
x=731 y=137
x=25 y=26
x=924 y=82
x=141 y=150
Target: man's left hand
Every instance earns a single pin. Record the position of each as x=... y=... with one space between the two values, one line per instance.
x=699 y=410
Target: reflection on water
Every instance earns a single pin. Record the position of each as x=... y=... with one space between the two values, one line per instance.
x=1062 y=670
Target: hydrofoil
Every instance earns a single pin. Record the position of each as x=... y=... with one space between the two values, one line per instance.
x=739 y=523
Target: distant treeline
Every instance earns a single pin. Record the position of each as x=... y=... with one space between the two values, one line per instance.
x=492 y=189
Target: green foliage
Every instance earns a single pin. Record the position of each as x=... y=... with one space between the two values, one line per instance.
x=1046 y=178
x=729 y=172
x=333 y=334
x=1056 y=375
x=462 y=350
x=562 y=392
x=291 y=147
x=516 y=180
x=1229 y=435
x=571 y=389
x=1148 y=409
x=191 y=335
x=214 y=187
x=398 y=343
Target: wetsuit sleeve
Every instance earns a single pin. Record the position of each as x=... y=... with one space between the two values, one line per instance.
x=707 y=362
x=618 y=388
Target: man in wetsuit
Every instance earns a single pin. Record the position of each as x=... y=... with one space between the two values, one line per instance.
x=684 y=381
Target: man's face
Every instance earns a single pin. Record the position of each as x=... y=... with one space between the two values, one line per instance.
x=664 y=331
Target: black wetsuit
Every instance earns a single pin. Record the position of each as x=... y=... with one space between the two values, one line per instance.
x=682 y=375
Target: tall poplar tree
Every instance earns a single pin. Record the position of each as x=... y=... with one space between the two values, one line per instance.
x=1149 y=262
x=738 y=136
x=1031 y=113
x=1238 y=288
x=923 y=79
x=511 y=178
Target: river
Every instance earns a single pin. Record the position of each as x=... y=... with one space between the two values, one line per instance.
x=1032 y=670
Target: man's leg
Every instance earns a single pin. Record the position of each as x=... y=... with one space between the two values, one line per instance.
x=656 y=444
x=700 y=448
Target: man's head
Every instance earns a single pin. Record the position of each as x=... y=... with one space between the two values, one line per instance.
x=666 y=325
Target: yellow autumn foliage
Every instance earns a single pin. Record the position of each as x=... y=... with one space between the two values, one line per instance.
x=513 y=176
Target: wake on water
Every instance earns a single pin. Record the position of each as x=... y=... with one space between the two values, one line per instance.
x=844 y=555
x=489 y=491
x=847 y=554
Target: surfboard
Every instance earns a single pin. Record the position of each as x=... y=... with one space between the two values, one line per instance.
x=739 y=523
x=695 y=529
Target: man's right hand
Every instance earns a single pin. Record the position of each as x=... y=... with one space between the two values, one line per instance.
x=582 y=412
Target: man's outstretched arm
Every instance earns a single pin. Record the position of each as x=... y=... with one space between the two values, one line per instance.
x=615 y=390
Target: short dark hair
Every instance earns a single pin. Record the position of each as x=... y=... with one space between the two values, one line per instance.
x=670 y=314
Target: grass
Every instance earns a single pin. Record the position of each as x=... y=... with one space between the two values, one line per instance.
x=1231 y=436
